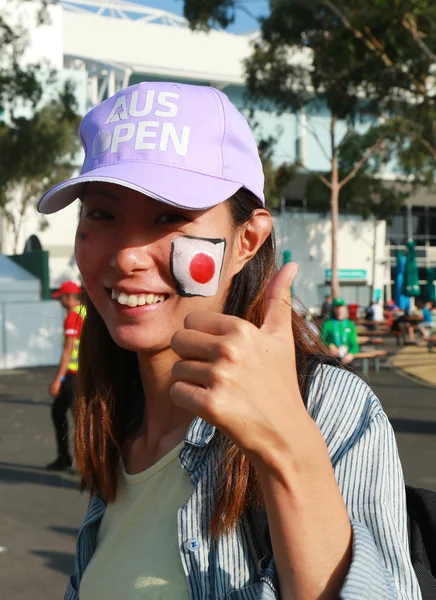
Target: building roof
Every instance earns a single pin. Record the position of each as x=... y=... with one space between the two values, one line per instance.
x=146 y=40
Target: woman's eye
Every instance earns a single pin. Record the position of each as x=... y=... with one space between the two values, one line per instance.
x=169 y=218
x=98 y=215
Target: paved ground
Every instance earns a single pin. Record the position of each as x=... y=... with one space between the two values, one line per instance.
x=40 y=511
x=418 y=362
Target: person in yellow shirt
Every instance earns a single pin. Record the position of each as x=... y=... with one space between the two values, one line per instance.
x=63 y=386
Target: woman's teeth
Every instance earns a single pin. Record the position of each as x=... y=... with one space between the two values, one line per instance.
x=133 y=300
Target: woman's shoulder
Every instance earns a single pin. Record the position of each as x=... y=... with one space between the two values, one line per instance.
x=342 y=405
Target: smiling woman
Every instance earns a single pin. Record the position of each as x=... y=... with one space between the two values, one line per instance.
x=204 y=409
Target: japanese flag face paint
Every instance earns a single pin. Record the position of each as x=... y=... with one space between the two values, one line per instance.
x=196 y=265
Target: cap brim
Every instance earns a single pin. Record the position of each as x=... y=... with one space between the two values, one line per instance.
x=57 y=294
x=178 y=187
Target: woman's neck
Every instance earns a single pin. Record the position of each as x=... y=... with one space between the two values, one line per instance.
x=162 y=417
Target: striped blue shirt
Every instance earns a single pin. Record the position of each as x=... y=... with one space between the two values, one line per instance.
x=363 y=451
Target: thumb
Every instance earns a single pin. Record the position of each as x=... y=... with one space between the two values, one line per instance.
x=278 y=313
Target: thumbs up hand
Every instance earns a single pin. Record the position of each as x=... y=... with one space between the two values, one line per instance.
x=243 y=379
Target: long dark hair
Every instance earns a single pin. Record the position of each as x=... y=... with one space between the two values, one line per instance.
x=110 y=406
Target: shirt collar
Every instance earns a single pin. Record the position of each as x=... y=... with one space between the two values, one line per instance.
x=200 y=433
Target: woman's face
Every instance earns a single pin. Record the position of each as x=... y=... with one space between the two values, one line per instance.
x=123 y=246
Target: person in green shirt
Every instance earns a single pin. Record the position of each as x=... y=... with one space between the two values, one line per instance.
x=339 y=333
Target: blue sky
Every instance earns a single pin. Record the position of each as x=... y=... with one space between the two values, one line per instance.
x=244 y=22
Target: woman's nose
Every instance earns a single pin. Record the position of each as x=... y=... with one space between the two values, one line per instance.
x=128 y=258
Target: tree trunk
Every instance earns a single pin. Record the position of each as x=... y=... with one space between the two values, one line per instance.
x=334 y=206
x=374 y=261
x=16 y=237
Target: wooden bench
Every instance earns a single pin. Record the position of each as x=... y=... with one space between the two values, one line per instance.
x=371 y=323
x=374 y=341
x=378 y=333
x=365 y=357
x=399 y=335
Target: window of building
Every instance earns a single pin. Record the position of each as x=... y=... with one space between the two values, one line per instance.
x=397 y=230
x=422 y=221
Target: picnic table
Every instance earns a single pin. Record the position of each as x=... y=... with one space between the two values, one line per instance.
x=376 y=333
x=366 y=357
x=375 y=323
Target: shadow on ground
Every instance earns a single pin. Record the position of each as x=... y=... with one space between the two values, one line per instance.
x=73 y=531
x=62 y=562
x=404 y=385
x=413 y=426
x=5 y=399
x=13 y=473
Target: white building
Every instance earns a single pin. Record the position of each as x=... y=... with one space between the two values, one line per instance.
x=104 y=45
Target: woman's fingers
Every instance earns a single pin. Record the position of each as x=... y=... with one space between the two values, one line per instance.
x=278 y=313
x=213 y=323
x=195 y=345
x=190 y=397
x=195 y=372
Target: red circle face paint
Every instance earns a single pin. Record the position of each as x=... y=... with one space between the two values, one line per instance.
x=202 y=268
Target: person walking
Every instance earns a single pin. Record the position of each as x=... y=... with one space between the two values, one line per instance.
x=192 y=414
x=63 y=386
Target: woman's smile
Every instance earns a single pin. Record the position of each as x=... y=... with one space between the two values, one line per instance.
x=137 y=299
x=135 y=305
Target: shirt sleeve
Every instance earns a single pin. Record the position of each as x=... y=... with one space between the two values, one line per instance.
x=72 y=325
x=353 y=346
x=71 y=592
x=364 y=454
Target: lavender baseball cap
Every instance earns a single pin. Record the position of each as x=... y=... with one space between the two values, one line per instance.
x=184 y=145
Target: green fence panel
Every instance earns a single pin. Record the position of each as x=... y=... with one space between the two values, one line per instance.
x=36 y=263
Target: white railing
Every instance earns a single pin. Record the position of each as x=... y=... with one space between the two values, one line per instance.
x=118 y=9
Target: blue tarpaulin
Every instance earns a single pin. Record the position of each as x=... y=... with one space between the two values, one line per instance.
x=402 y=301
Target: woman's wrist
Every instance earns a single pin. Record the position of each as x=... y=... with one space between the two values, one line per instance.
x=309 y=525
x=296 y=456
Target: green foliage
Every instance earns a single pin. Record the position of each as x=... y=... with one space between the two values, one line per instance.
x=34 y=147
x=204 y=14
x=19 y=86
x=340 y=52
x=276 y=177
x=365 y=194
x=38 y=138
x=35 y=153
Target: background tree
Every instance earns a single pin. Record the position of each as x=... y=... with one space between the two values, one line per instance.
x=325 y=54
x=38 y=136
x=398 y=41
x=276 y=177
x=36 y=153
x=21 y=86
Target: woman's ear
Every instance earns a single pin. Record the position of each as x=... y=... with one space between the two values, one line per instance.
x=251 y=235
